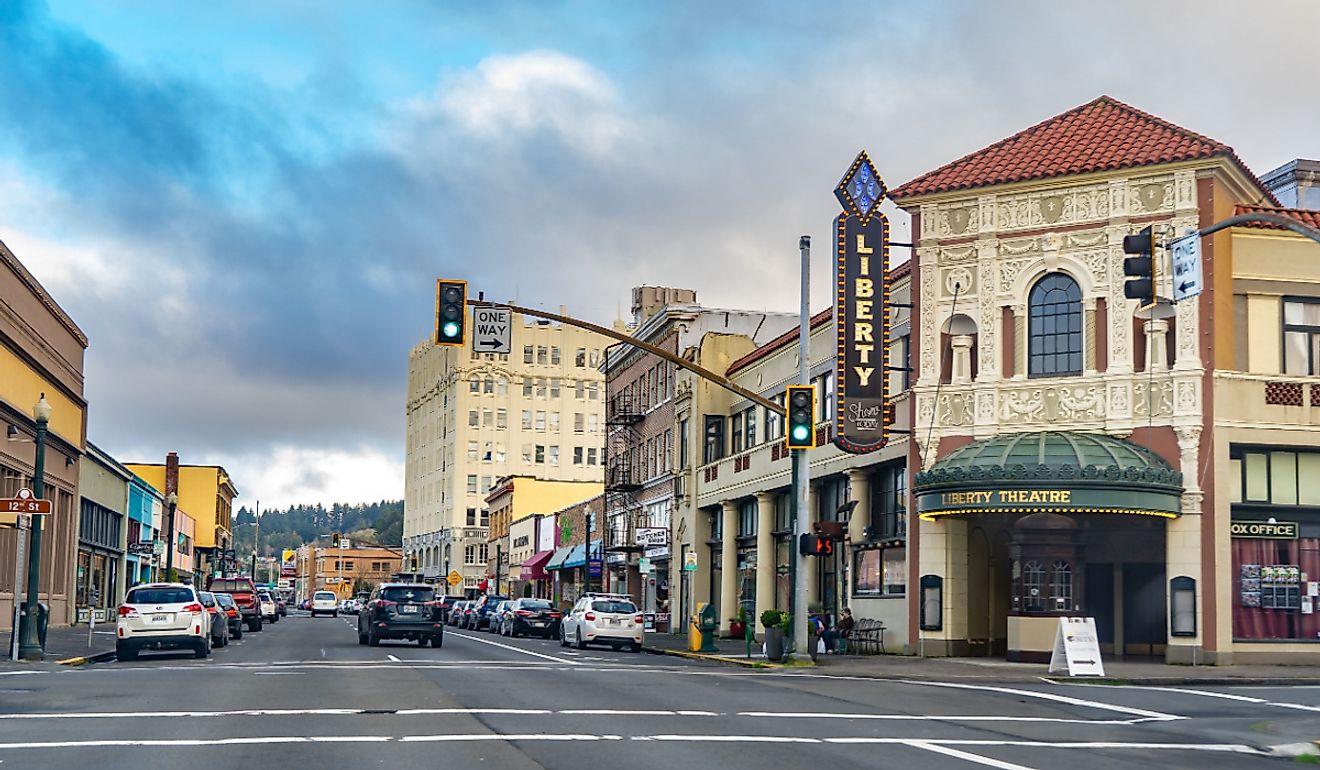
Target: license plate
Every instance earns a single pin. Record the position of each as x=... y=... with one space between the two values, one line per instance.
x=160 y=618
x=613 y=622
x=538 y=622
x=408 y=609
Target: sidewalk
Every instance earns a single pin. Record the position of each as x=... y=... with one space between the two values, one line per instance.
x=69 y=643
x=1149 y=673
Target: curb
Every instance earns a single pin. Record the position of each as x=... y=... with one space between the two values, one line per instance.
x=82 y=660
x=727 y=661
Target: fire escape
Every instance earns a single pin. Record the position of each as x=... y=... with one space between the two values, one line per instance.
x=622 y=476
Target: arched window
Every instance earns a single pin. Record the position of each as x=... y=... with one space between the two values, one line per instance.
x=1061 y=587
x=1055 y=334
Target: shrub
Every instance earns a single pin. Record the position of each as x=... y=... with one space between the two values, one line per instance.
x=771 y=618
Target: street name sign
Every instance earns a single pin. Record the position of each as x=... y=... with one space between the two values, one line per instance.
x=1185 y=253
x=492 y=330
x=24 y=504
x=1077 y=648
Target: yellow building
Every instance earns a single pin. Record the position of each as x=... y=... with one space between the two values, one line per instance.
x=340 y=569
x=206 y=493
x=516 y=498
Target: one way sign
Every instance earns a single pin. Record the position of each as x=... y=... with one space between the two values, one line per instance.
x=1186 y=253
x=491 y=330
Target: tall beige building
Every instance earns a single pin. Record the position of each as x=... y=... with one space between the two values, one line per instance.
x=474 y=418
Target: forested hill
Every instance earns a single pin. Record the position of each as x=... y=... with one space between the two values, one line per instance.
x=380 y=523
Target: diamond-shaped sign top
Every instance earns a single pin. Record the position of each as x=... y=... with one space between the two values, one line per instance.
x=861 y=189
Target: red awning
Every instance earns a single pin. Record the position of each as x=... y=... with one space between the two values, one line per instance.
x=534 y=567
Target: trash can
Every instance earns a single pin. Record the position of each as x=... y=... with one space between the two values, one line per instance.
x=709 y=625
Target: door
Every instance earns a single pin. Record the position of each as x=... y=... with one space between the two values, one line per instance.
x=1145 y=630
x=979 y=581
x=1099 y=603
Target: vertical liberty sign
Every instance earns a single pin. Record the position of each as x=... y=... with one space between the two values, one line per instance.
x=861 y=312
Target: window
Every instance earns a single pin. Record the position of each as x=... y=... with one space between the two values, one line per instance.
x=579 y=422
x=527 y=387
x=664 y=380
x=1274 y=477
x=1061 y=587
x=714 y=442
x=488 y=418
x=485 y=522
x=470 y=555
x=485 y=484
x=591 y=455
x=580 y=389
x=474 y=384
x=554 y=422
x=540 y=454
x=747 y=517
x=593 y=391
x=502 y=386
x=527 y=454
x=540 y=421
x=880 y=572
x=472 y=450
x=669 y=450
x=889 y=502
x=736 y=433
x=554 y=386
x=501 y=418
x=594 y=358
x=683 y=443
x=554 y=455
x=527 y=354
x=474 y=418
x=1301 y=336
x=1033 y=586
x=540 y=387
x=899 y=351
x=526 y=419
x=824 y=397
x=749 y=425
x=554 y=356
x=577 y=455
x=499 y=453
x=541 y=354
x=580 y=358
x=1055 y=333
x=593 y=423
x=488 y=385
x=774 y=422
x=472 y=484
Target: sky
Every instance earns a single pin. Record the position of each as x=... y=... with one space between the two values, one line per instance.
x=245 y=205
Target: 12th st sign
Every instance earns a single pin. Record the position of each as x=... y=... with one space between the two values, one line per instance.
x=23 y=505
x=492 y=330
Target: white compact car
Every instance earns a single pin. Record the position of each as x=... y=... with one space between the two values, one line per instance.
x=270 y=610
x=162 y=616
x=325 y=603
x=611 y=619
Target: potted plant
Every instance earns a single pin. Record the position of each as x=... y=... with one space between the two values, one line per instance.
x=772 y=622
x=738 y=625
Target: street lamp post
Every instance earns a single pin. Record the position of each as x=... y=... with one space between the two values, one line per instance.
x=171 y=502
x=29 y=646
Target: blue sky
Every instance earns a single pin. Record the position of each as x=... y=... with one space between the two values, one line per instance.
x=244 y=204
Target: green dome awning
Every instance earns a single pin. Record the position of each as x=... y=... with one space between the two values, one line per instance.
x=1049 y=471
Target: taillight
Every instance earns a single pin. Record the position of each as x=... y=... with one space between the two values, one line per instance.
x=556 y=614
x=194 y=607
x=385 y=603
x=523 y=613
x=231 y=612
x=125 y=611
x=637 y=619
x=590 y=616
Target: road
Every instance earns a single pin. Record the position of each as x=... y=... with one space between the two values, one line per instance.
x=303 y=693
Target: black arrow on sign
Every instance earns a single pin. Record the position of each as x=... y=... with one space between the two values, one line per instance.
x=490 y=343
x=1184 y=286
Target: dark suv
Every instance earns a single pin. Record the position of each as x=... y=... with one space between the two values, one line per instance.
x=401 y=611
x=483 y=610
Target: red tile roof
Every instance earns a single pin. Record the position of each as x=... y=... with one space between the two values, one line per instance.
x=1305 y=216
x=1100 y=135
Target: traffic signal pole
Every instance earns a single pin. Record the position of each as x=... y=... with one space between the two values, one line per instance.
x=801 y=468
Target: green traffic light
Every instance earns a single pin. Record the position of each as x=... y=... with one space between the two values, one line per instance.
x=450 y=329
x=800 y=433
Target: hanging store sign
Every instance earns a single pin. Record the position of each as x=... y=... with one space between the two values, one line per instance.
x=862 y=413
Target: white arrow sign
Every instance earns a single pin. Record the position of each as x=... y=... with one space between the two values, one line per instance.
x=491 y=330
x=1186 y=258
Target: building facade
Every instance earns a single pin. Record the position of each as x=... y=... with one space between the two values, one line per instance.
x=100 y=577
x=144 y=511
x=642 y=432
x=514 y=500
x=41 y=353
x=1085 y=458
x=475 y=418
x=343 y=569
x=575 y=527
x=207 y=494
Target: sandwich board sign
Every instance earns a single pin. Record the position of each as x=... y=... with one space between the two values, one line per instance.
x=1077 y=648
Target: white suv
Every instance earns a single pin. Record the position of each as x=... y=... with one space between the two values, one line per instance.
x=325 y=602
x=611 y=619
x=162 y=616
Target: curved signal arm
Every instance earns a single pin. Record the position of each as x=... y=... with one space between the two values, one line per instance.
x=700 y=371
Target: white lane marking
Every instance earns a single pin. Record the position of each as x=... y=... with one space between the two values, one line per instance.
x=278 y=673
x=1234 y=748
x=1052 y=697
x=727 y=738
x=967 y=756
x=187 y=714
x=429 y=712
x=940 y=718
x=391 y=657
x=516 y=649
x=21 y=673
x=1221 y=695
x=513 y=737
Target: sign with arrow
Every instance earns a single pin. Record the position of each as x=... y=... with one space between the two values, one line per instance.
x=1077 y=648
x=1185 y=253
x=492 y=329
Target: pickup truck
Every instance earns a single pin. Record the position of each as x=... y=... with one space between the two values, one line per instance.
x=245 y=596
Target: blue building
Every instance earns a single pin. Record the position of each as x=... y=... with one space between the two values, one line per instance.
x=145 y=506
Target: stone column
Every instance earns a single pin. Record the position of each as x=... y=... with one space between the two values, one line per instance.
x=728 y=565
x=962 y=359
x=765 y=555
x=1157 y=330
x=859 y=489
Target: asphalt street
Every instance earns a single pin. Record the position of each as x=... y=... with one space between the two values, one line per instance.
x=303 y=693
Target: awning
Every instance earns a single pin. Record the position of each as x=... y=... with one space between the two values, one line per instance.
x=579 y=555
x=534 y=568
x=557 y=559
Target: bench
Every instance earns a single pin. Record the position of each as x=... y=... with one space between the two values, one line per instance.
x=866 y=638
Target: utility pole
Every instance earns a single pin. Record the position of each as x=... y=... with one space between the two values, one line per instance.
x=801 y=467
x=256 y=540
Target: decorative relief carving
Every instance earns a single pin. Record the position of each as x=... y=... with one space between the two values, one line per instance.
x=1020 y=246
x=959 y=278
x=1118 y=198
x=1008 y=273
x=1184 y=186
x=1118 y=401
x=1059 y=207
x=957 y=253
x=1086 y=240
x=1148 y=401
x=959 y=221
x=1053 y=403
x=929 y=371
x=1189 y=322
x=1097 y=263
x=956 y=409
x=989 y=321
x=1189 y=438
x=1051 y=208
x=985 y=406
x=986 y=206
x=1151 y=197
x=1187 y=397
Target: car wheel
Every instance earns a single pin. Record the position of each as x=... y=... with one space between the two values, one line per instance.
x=126 y=652
x=581 y=640
x=238 y=632
x=372 y=640
x=362 y=638
x=422 y=641
x=437 y=640
x=563 y=637
x=616 y=647
x=635 y=647
x=203 y=649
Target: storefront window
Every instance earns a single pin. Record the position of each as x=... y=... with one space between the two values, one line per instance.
x=1275 y=580
x=889 y=502
x=880 y=572
x=1033 y=586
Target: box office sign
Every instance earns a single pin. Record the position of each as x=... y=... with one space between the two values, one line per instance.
x=1264 y=530
x=861 y=312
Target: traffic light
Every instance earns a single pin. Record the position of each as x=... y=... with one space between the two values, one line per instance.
x=334 y=539
x=801 y=417
x=1140 y=269
x=450 y=312
x=815 y=545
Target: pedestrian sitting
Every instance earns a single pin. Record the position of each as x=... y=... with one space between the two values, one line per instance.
x=844 y=629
